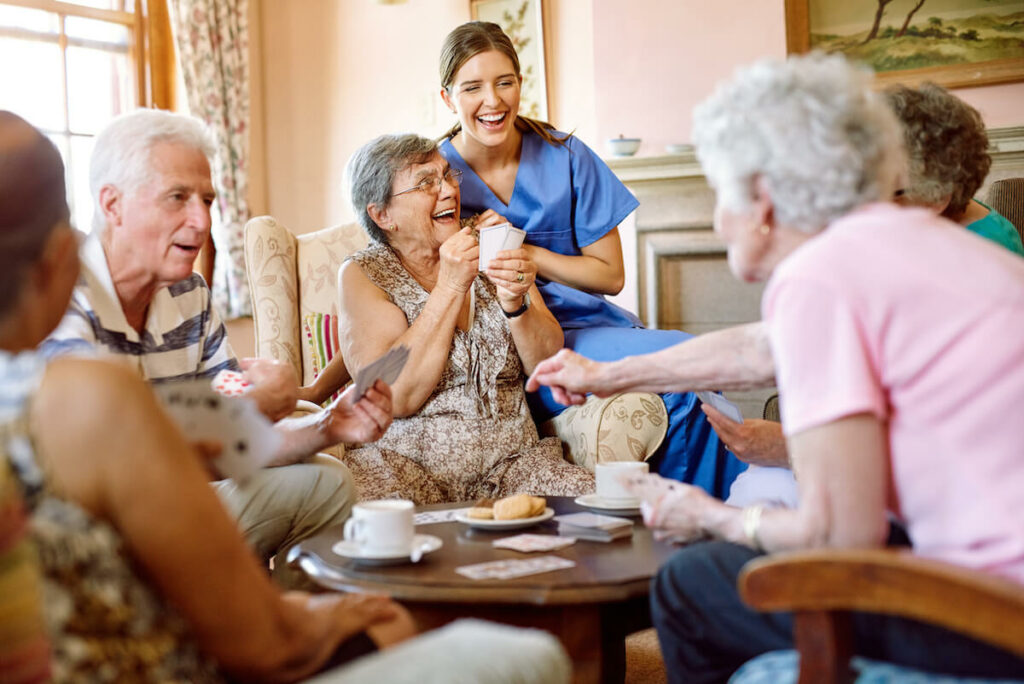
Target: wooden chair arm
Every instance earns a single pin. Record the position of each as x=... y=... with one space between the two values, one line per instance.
x=987 y=608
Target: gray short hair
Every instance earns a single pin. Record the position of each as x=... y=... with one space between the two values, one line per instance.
x=372 y=169
x=947 y=146
x=811 y=127
x=120 y=156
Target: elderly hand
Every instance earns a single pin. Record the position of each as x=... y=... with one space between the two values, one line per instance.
x=673 y=510
x=513 y=273
x=489 y=218
x=760 y=442
x=362 y=421
x=275 y=389
x=570 y=377
x=459 y=255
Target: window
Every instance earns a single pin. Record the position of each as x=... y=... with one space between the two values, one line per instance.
x=69 y=67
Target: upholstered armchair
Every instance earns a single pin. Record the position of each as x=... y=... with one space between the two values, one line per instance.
x=293 y=283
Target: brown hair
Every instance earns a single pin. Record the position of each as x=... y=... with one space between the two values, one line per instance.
x=32 y=201
x=466 y=42
x=947 y=146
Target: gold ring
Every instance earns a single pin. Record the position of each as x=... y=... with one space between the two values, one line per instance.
x=519 y=276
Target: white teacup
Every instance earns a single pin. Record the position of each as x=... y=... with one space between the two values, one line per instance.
x=609 y=487
x=384 y=526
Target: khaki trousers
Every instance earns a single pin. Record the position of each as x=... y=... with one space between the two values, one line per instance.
x=281 y=506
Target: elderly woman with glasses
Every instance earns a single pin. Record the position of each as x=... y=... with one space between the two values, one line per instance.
x=462 y=427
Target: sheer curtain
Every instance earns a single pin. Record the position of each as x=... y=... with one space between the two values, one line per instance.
x=213 y=48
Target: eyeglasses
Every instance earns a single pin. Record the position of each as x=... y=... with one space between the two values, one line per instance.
x=433 y=183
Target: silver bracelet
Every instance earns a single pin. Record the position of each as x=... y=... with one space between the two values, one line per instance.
x=751 y=525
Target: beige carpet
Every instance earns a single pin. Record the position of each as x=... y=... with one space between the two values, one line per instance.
x=643 y=659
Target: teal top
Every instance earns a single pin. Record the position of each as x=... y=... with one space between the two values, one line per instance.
x=998 y=229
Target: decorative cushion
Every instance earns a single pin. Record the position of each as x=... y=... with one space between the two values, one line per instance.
x=322 y=337
x=625 y=427
x=782 y=667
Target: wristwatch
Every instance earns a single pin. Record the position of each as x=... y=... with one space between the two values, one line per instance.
x=521 y=310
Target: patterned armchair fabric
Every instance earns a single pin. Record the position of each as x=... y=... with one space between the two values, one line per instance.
x=293 y=276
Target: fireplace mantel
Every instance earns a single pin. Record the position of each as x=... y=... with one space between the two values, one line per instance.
x=676 y=270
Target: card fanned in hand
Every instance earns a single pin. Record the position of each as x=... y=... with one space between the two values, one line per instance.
x=593 y=527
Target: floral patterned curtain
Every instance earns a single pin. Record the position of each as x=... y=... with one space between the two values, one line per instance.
x=212 y=37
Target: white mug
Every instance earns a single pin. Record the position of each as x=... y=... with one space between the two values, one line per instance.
x=609 y=488
x=383 y=526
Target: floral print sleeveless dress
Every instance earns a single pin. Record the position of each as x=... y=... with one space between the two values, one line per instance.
x=474 y=436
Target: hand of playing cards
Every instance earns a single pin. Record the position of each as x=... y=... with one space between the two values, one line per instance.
x=387 y=369
x=494 y=239
x=726 y=407
x=247 y=439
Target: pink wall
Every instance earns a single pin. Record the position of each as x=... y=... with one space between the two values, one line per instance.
x=331 y=74
x=654 y=60
x=336 y=74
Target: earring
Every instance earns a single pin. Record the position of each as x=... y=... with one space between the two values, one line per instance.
x=764 y=229
x=393 y=228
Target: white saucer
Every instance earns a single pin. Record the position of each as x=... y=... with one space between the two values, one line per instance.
x=350 y=549
x=503 y=524
x=596 y=503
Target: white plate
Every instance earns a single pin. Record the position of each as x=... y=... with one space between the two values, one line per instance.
x=347 y=548
x=503 y=524
x=594 y=502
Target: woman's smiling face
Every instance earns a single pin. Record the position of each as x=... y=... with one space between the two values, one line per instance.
x=485 y=95
x=422 y=206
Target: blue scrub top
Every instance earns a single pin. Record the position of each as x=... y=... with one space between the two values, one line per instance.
x=565 y=198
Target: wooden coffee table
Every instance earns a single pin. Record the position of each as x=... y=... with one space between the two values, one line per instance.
x=590 y=607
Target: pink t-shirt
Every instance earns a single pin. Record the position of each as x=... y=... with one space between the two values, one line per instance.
x=908 y=316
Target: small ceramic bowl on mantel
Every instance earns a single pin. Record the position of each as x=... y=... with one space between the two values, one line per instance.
x=679 y=148
x=623 y=147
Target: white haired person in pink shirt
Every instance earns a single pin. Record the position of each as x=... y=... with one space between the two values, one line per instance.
x=897 y=347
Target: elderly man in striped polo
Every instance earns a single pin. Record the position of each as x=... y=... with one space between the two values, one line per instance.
x=138 y=297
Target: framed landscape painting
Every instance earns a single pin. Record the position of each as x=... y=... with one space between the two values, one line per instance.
x=523 y=22
x=954 y=43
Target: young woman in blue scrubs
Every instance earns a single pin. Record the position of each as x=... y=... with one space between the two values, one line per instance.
x=570 y=204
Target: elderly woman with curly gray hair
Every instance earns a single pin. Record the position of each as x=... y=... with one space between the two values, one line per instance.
x=948 y=160
x=895 y=337
x=462 y=428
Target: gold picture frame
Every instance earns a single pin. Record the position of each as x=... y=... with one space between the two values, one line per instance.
x=907 y=15
x=523 y=22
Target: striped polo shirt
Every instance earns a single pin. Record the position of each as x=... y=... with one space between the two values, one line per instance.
x=183 y=338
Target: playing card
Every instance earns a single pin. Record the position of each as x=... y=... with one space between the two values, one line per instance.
x=513 y=238
x=492 y=240
x=387 y=368
x=729 y=409
x=432 y=517
x=650 y=487
x=510 y=569
x=231 y=383
x=248 y=440
x=533 y=542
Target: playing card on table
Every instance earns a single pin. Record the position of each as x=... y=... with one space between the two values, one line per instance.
x=528 y=543
x=432 y=517
x=510 y=569
x=231 y=383
x=386 y=368
x=492 y=240
x=729 y=409
x=248 y=440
